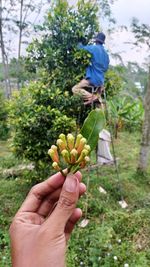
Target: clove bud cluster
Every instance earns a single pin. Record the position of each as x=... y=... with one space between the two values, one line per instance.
x=73 y=151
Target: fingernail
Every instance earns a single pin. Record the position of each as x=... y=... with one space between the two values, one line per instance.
x=70 y=183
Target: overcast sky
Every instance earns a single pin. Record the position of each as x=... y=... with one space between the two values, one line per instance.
x=123 y=11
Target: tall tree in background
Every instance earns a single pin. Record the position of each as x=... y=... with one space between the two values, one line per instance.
x=105 y=7
x=135 y=79
x=17 y=19
x=20 y=25
x=142 y=36
x=57 y=50
x=4 y=54
x=25 y=25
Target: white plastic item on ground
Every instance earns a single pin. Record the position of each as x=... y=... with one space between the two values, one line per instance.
x=103 y=153
x=123 y=204
x=102 y=190
x=84 y=223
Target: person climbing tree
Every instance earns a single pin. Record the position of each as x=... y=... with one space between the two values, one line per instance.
x=95 y=71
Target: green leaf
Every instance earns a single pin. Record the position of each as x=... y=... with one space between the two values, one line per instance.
x=92 y=126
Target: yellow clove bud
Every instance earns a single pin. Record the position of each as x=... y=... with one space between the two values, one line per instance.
x=70 y=141
x=61 y=144
x=53 y=154
x=82 y=143
x=87 y=159
x=84 y=153
x=73 y=155
x=65 y=155
x=84 y=162
x=78 y=138
x=56 y=166
x=54 y=147
x=87 y=147
x=63 y=138
x=56 y=152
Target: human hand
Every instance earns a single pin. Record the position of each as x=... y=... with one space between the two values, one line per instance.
x=42 y=226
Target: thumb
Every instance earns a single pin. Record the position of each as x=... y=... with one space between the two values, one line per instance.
x=66 y=203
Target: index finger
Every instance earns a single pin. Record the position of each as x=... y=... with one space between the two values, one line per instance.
x=41 y=190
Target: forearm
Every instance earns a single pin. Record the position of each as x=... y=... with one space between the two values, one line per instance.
x=29 y=260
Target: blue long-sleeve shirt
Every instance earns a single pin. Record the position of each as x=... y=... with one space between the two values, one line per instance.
x=99 y=63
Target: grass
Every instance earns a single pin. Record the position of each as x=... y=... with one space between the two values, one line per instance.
x=114 y=236
x=4 y=149
x=12 y=194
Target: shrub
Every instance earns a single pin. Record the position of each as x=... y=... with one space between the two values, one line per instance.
x=4 y=129
x=38 y=115
x=113 y=82
x=125 y=112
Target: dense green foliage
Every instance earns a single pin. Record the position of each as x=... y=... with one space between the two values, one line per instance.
x=125 y=112
x=113 y=82
x=17 y=70
x=57 y=51
x=39 y=114
x=4 y=129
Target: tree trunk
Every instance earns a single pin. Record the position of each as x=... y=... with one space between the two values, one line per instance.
x=20 y=29
x=145 y=143
x=4 y=56
x=20 y=40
